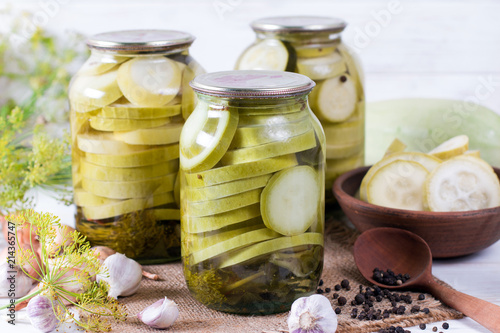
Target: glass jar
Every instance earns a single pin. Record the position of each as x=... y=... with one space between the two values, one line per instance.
x=128 y=105
x=252 y=192
x=312 y=46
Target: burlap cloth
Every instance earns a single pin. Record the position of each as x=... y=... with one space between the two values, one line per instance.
x=339 y=264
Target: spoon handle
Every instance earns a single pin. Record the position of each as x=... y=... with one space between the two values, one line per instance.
x=485 y=313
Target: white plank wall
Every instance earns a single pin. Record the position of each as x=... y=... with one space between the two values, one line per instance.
x=448 y=49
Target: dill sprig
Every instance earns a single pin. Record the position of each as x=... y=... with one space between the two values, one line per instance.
x=35 y=72
x=67 y=279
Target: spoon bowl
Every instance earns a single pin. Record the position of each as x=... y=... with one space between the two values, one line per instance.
x=404 y=252
x=375 y=248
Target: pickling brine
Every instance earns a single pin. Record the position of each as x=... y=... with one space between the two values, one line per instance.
x=312 y=46
x=128 y=104
x=252 y=192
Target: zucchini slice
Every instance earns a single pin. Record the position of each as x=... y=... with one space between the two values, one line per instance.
x=451 y=148
x=116 y=124
x=106 y=173
x=221 y=205
x=94 y=91
x=105 y=143
x=294 y=144
x=398 y=184
x=321 y=68
x=289 y=202
x=206 y=136
x=460 y=184
x=137 y=159
x=131 y=111
x=240 y=171
x=268 y=54
x=163 y=135
x=334 y=100
x=150 y=81
x=270 y=246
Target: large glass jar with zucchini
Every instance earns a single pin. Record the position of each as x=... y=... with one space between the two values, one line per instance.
x=128 y=105
x=312 y=46
x=252 y=192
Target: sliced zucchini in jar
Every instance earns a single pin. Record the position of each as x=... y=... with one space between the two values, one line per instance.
x=206 y=136
x=314 y=52
x=237 y=242
x=166 y=214
x=104 y=143
x=240 y=171
x=268 y=54
x=94 y=91
x=334 y=100
x=137 y=159
x=97 y=172
x=130 y=189
x=123 y=109
x=221 y=205
x=194 y=194
x=398 y=184
x=115 y=124
x=270 y=246
x=289 y=202
x=321 y=68
x=462 y=184
x=96 y=65
x=343 y=150
x=163 y=135
x=150 y=81
x=218 y=221
x=292 y=145
x=188 y=95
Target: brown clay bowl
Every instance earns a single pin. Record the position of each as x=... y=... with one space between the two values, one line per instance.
x=449 y=234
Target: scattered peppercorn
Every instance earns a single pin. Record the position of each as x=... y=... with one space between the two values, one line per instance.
x=359 y=298
x=422 y=326
x=343 y=79
x=327 y=290
x=415 y=309
x=426 y=310
x=344 y=283
x=342 y=301
x=434 y=329
x=335 y=295
x=337 y=287
x=320 y=283
x=421 y=297
x=446 y=326
x=338 y=310
x=320 y=291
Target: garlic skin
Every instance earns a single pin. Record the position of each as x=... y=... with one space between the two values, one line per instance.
x=21 y=285
x=124 y=275
x=313 y=314
x=41 y=314
x=161 y=314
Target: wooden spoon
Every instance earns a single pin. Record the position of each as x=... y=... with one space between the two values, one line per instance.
x=404 y=252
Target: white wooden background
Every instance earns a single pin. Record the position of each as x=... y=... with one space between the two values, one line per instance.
x=423 y=48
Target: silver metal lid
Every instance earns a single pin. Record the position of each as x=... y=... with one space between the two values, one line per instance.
x=140 y=41
x=252 y=84
x=299 y=24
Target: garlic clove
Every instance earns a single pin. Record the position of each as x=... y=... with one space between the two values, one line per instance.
x=123 y=275
x=161 y=314
x=312 y=314
x=41 y=314
x=13 y=282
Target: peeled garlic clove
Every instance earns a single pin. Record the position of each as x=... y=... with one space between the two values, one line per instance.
x=41 y=314
x=161 y=314
x=13 y=282
x=312 y=314
x=123 y=275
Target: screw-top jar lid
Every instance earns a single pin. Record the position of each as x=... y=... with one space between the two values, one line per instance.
x=299 y=24
x=140 y=41
x=252 y=84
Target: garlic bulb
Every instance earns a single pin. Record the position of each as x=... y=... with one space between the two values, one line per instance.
x=13 y=282
x=160 y=314
x=41 y=314
x=312 y=314
x=124 y=275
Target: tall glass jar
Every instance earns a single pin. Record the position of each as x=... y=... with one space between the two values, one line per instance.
x=128 y=105
x=252 y=192
x=312 y=46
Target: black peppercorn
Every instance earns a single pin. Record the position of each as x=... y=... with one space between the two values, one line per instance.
x=343 y=79
x=446 y=326
x=338 y=310
x=342 y=301
x=320 y=283
x=327 y=290
x=337 y=287
x=434 y=329
x=344 y=283
x=426 y=310
x=359 y=298
x=335 y=295
x=422 y=326
x=421 y=297
x=319 y=291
